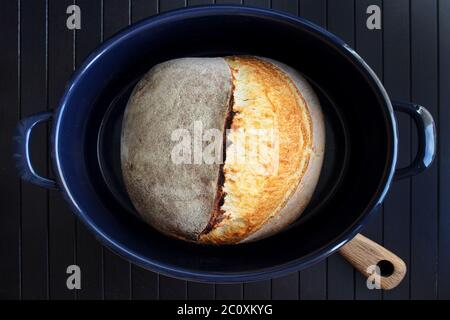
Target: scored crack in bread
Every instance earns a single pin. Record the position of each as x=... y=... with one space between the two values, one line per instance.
x=238 y=201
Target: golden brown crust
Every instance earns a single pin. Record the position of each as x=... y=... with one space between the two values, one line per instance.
x=253 y=199
x=300 y=198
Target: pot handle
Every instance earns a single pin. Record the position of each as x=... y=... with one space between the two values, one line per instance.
x=426 y=132
x=22 y=156
x=383 y=269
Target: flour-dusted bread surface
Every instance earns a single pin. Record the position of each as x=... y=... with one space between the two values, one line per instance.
x=174 y=198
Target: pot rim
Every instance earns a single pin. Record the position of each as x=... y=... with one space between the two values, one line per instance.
x=254 y=275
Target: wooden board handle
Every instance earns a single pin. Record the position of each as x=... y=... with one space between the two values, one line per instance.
x=363 y=254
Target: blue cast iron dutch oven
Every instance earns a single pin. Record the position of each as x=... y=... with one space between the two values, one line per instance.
x=360 y=156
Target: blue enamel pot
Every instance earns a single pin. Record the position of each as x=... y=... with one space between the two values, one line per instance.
x=360 y=160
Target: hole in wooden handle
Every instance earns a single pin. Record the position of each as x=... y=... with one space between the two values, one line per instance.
x=386 y=268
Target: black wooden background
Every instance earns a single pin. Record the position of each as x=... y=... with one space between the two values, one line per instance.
x=40 y=237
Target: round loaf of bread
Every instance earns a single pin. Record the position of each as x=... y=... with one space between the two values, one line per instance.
x=222 y=150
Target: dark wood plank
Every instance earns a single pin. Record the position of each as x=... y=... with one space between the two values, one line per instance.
x=89 y=250
x=116 y=16
x=315 y=11
x=286 y=287
x=117 y=274
x=340 y=273
x=228 y=1
x=144 y=283
x=340 y=279
x=62 y=223
x=424 y=244
x=257 y=3
x=289 y=6
x=258 y=290
x=191 y=3
x=369 y=44
x=397 y=74
x=444 y=151
x=34 y=199
x=166 y=5
x=10 y=265
x=229 y=291
x=117 y=271
x=141 y=9
x=313 y=281
x=171 y=288
x=341 y=19
x=200 y=291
